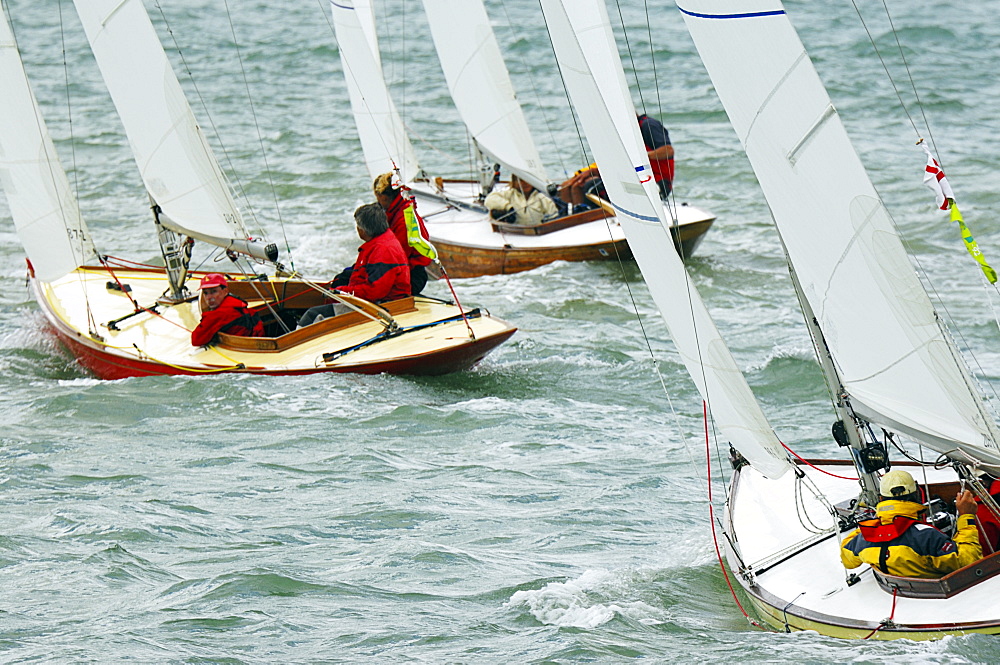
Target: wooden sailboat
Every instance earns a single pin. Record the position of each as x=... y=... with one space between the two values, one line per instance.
x=469 y=242
x=890 y=365
x=122 y=319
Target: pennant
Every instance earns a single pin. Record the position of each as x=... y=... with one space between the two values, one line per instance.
x=971 y=244
x=935 y=179
x=414 y=237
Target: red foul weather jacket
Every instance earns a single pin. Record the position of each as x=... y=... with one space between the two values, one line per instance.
x=232 y=317
x=381 y=271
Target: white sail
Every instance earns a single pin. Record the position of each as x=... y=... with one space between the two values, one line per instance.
x=899 y=368
x=585 y=48
x=383 y=136
x=174 y=158
x=45 y=212
x=481 y=87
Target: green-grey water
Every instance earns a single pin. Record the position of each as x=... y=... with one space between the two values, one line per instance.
x=546 y=506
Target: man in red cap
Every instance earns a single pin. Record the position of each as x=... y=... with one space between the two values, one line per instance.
x=221 y=312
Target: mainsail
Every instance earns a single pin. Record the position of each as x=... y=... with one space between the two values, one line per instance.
x=585 y=48
x=174 y=159
x=898 y=366
x=383 y=135
x=45 y=212
x=481 y=88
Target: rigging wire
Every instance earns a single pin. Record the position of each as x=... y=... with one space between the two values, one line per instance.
x=621 y=267
x=260 y=137
x=930 y=284
x=91 y=320
x=525 y=68
x=584 y=153
x=211 y=120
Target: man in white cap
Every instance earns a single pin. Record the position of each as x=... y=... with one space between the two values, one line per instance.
x=898 y=542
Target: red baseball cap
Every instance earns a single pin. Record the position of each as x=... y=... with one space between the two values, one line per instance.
x=213 y=279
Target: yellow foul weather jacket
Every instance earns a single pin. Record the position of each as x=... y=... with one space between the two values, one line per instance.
x=898 y=543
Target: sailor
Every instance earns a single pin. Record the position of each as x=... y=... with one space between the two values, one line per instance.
x=389 y=195
x=222 y=312
x=520 y=203
x=380 y=273
x=988 y=523
x=898 y=542
x=659 y=150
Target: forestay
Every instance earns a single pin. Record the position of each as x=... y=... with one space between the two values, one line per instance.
x=585 y=48
x=898 y=366
x=481 y=88
x=174 y=159
x=380 y=128
x=45 y=212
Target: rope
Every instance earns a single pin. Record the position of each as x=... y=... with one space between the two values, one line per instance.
x=711 y=515
x=810 y=464
x=885 y=622
x=454 y=295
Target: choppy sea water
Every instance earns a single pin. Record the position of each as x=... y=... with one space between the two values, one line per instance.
x=547 y=506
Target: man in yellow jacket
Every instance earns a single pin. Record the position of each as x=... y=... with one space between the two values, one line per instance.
x=898 y=542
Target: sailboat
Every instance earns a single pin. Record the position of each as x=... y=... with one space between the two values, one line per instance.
x=890 y=365
x=469 y=242
x=121 y=318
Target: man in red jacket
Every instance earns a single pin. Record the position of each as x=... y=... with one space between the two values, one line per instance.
x=221 y=312
x=391 y=198
x=381 y=272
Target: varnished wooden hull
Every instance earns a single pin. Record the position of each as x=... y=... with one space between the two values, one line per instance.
x=468 y=261
x=470 y=244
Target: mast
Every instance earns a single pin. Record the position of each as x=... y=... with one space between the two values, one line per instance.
x=868 y=479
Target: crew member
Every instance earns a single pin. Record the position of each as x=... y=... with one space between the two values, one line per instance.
x=660 y=152
x=988 y=523
x=222 y=312
x=898 y=542
x=396 y=209
x=380 y=272
x=520 y=203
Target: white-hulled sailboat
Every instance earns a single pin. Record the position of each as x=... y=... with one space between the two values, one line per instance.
x=887 y=359
x=469 y=242
x=121 y=319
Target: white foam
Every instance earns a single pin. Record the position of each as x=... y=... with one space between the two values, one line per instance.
x=573 y=603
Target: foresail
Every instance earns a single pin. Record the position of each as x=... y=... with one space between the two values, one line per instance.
x=899 y=367
x=481 y=88
x=585 y=48
x=45 y=212
x=174 y=159
x=383 y=136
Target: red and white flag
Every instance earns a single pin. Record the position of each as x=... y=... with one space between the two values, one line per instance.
x=936 y=181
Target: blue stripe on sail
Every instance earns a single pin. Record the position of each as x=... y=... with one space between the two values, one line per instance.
x=645 y=218
x=339 y=6
x=776 y=12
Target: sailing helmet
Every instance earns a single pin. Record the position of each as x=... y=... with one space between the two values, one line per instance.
x=213 y=279
x=897 y=483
